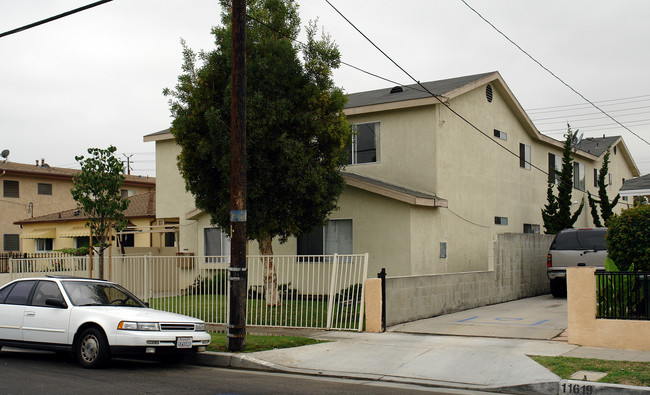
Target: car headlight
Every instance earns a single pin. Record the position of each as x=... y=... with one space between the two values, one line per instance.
x=199 y=327
x=138 y=326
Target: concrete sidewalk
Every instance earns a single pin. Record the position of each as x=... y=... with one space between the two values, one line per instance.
x=471 y=363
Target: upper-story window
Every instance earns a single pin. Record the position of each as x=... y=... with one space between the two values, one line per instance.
x=554 y=168
x=579 y=176
x=500 y=134
x=524 y=156
x=10 y=189
x=44 y=188
x=127 y=192
x=365 y=143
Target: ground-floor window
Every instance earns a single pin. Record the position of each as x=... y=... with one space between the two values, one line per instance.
x=44 y=245
x=80 y=242
x=333 y=238
x=531 y=228
x=216 y=243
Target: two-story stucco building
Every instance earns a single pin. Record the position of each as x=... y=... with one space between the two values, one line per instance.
x=427 y=190
x=34 y=190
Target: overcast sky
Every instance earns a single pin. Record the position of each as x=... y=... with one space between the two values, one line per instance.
x=96 y=78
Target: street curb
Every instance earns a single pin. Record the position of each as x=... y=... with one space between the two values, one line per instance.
x=249 y=362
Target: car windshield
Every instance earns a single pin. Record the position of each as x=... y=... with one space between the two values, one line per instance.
x=87 y=293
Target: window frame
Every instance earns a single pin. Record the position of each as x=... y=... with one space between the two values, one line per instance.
x=354 y=155
x=500 y=134
x=324 y=243
x=579 y=181
x=8 y=189
x=44 y=189
x=5 y=237
x=525 y=156
x=47 y=244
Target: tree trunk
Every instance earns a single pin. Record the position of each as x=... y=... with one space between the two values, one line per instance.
x=100 y=255
x=270 y=275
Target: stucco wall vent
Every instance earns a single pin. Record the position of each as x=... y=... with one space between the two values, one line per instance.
x=488 y=93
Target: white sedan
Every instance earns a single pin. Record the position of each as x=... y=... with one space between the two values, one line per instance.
x=94 y=319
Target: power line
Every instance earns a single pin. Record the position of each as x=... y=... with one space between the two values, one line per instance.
x=53 y=18
x=550 y=72
x=595 y=113
x=587 y=105
x=431 y=93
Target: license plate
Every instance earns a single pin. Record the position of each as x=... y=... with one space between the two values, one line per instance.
x=183 y=342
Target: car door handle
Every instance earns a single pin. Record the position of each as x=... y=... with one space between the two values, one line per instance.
x=29 y=314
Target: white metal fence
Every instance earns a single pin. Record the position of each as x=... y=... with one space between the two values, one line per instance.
x=324 y=292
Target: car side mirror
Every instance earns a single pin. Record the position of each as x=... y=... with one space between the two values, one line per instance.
x=56 y=303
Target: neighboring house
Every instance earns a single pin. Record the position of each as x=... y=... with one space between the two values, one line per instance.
x=35 y=190
x=67 y=229
x=426 y=192
x=639 y=186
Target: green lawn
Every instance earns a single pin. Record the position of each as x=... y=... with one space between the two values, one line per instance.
x=291 y=313
x=618 y=372
x=261 y=343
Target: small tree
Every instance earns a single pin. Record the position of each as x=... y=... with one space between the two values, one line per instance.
x=606 y=208
x=97 y=192
x=557 y=212
x=628 y=238
x=297 y=132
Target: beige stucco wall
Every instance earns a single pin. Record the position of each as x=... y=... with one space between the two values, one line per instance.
x=172 y=200
x=585 y=330
x=430 y=149
x=16 y=209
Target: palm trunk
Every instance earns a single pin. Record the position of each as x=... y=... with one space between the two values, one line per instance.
x=270 y=275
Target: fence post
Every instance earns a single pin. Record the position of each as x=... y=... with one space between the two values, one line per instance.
x=363 y=291
x=382 y=276
x=330 y=299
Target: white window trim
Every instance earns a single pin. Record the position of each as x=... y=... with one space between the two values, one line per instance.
x=353 y=153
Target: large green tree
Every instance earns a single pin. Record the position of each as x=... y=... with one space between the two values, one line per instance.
x=97 y=192
x=296 y=129
x=606 y=207
x=557 y=212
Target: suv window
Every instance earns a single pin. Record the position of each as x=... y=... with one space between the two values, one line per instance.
x=591 y=239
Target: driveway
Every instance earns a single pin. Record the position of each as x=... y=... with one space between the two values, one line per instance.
x=541 y=317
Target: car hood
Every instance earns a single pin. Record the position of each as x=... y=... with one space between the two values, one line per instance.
x=136 y=314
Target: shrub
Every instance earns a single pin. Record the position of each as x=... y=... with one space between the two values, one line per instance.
x=628 y=238
x=216 y=284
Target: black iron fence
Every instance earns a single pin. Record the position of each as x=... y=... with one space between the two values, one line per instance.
x=623 y=295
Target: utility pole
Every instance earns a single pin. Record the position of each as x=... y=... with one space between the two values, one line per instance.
x=128 y=163
x=237 y=271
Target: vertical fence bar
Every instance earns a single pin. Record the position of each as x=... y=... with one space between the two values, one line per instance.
x=331 y=301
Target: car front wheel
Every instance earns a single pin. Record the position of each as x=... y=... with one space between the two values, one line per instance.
x=92 y=348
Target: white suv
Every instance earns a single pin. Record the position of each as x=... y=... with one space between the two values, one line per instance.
x=574 y=247
x=94 y=319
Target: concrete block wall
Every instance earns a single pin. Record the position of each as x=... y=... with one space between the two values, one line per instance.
x=517 y=265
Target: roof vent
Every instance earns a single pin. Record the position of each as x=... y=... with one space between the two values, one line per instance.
x=397 y=89
x=488 y=93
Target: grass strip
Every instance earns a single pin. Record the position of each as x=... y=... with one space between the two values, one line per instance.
x=618 y=372
x=260 y=342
